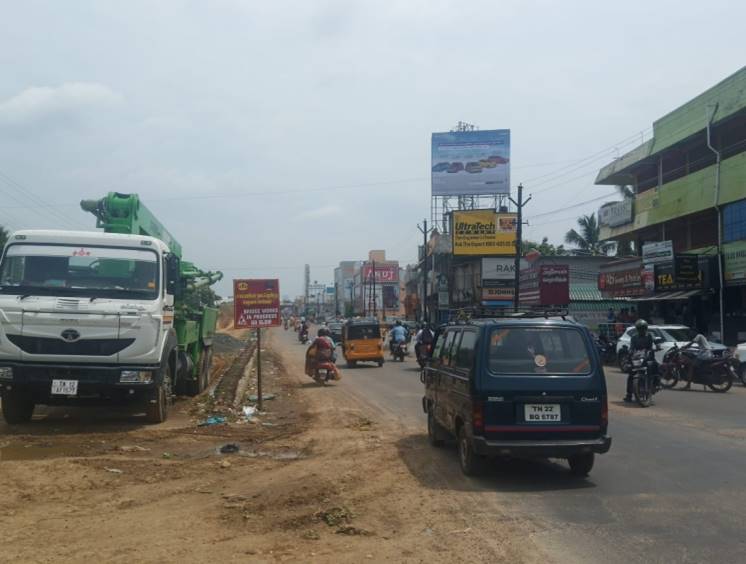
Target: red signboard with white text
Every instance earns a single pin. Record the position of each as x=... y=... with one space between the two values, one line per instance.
x=385 y=273
x=256 y=303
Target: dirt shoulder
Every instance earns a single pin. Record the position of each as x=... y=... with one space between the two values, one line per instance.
x=315 y=479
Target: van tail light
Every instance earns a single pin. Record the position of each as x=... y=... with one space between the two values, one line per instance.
x=477 y=416
x=605 y=412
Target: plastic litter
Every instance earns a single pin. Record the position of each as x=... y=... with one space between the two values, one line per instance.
x=114 y=470
x=212 y=420
x=230 y=448
x=249 y=411
x=265 y=397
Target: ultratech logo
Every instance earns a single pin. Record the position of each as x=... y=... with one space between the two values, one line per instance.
x=477 y=228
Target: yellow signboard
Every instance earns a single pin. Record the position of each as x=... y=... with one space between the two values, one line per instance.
x=483 y=232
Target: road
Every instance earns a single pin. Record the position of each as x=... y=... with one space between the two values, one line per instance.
x=671 y=489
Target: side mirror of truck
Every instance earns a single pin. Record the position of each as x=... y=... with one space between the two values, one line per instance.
x=173 y=276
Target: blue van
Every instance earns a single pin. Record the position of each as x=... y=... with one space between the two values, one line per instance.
x=524 y=387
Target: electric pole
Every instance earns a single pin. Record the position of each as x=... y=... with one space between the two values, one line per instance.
x=518 y=243
x=425 y=231
x=375 y=300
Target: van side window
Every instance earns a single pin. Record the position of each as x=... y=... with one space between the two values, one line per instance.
x=438 y=348
x=464 y=358
x=445 y=353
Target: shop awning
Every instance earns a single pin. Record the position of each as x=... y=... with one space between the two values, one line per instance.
x=671 y=296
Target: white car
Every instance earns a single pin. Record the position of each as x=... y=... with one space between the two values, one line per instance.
x=666 y=336
x=741 y=356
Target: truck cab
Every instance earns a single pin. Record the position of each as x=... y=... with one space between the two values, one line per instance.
x=86 y=316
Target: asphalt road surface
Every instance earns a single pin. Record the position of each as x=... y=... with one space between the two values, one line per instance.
x=672 y=488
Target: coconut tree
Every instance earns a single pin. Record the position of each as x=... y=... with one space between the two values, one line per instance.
x=588 y=239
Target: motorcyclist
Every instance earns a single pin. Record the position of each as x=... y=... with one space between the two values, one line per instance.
x=704 y=353
x=423 y=337
x=325 y=350
x=398 y=335
x=642 y=341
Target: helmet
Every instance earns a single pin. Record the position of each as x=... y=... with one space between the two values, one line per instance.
x=641 y=325
x=398 y=322
x=323 y=332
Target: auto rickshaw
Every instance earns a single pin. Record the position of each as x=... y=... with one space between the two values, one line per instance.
x=362 y=341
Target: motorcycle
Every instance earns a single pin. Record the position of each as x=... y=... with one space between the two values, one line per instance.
x=606 y=350
x=321 y=369
x=717 y=373
x=399 y=351
x=303 y=335
x=644 y=382
x=286 y=324
x=424 y=350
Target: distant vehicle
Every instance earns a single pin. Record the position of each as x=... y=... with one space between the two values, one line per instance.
x=441 y=167
x=497 y=159
x=517 y=387
x=361 y=341
x=473 y=167
x=741 y=355
x=455 y=167
x=670 y=335
x=486 y=163
x=335 y=328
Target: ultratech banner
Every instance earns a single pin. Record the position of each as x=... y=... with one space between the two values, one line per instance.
x=256 y=303
x=483 y=232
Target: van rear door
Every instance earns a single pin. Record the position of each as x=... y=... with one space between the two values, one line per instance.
x=541 y=382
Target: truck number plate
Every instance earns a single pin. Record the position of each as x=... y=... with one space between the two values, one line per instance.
x=64 y=387
x=542 y=412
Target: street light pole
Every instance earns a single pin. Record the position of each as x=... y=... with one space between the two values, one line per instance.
x=518 y=243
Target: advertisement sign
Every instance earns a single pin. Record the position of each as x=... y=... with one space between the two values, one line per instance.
x=546 y=285
x=503 y=291
x=661 y=251
x=734 y=257
x=616 y=213
x=385 y=273
x=483 y=232
x=622 y=283
x=471 y=162
x=686 y=269
x=498 y=269
x=666 y=279
x=256 y=303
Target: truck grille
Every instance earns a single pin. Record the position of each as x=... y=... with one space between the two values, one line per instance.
x=84 y=347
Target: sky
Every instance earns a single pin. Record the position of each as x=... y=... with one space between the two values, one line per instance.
x=267 y=135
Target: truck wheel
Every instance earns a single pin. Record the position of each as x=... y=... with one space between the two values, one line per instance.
x=206 y=368
x=156 y=409
x=581 y=464
x=17 y=407
x=434 y=430
x=471 y=463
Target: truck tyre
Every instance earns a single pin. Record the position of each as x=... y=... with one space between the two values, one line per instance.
x=17 y=407
x=159 y=398
x=581 y=464
x=471 y=463
x=197 y=386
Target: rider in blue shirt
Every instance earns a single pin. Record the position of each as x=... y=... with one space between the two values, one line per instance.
x=398 y=334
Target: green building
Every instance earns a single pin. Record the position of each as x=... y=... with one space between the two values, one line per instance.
x=688 y=209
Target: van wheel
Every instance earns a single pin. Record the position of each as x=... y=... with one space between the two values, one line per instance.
x=17 y=407
x=380 y=363
x=471 y=463
x=351 y=363
x=581 y=464
x=435 y=433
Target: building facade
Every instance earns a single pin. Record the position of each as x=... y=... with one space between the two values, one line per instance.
x=686 y=217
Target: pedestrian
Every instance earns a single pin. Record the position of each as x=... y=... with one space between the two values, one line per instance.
x=610 y=317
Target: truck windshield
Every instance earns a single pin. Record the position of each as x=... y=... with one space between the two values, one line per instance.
x=95 y=272
x=538 y=351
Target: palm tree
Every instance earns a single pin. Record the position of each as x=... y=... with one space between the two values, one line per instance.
x=587 y=240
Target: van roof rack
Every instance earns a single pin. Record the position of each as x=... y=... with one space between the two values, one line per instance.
x=476 y=313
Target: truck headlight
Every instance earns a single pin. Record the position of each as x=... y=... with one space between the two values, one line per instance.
x=6 y=373
x=136 y=377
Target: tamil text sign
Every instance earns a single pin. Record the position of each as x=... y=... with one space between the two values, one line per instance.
x=471 y=162
x=483 y=232
x=546 y=285
x=616 y=213
x=256 y=303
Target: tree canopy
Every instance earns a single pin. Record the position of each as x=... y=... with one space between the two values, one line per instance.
x=546 y=248
x=587 y=240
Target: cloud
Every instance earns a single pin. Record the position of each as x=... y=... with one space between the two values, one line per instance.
x=323 y=211
x=69 y=101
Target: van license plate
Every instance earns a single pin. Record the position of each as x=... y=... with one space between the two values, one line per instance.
x=64 y=387
x=542 y=412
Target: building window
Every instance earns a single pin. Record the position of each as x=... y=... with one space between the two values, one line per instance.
x=734 y=221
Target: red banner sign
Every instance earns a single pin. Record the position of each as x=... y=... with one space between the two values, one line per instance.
x=256 y=303
x=623 y=283
x=385 y=273
x=546 y=285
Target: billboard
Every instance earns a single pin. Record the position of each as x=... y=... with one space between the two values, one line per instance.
x=385 y=273
x=483 y=232
x=547 y=285
x=615 y=214
x=256 y=303
x=660 y=251
x=471 y=162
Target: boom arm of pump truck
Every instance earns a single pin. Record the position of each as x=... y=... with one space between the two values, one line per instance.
x=125 y=213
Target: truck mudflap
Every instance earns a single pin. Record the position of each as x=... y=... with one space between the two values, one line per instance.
x=542 y=449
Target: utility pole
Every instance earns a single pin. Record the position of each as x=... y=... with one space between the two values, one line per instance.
x=375 y=302
x=425 y=231
x=336 y=298
x=518 y=243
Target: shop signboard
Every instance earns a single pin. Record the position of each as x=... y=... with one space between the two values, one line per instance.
x=616 y=213
x=660 y=251
x=622 y=283
x=546 y=285
x=483 y=232
x=734 y=263
x=686 y=269
x=471 y=163
x=256 y=303
x=385 y=273
x=503 y=291
x=666 y=279
x=499 y=269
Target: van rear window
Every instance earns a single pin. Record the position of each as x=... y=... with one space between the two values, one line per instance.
x=538 y=350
